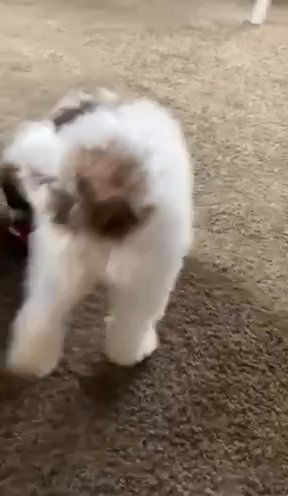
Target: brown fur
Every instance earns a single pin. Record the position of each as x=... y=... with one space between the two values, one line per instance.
x=108 y=183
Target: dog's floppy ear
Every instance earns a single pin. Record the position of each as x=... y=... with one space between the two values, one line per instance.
x=70 y=107
x=111 y=188
x=77 y=103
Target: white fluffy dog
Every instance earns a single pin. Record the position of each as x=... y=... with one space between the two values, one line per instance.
x=110 y=183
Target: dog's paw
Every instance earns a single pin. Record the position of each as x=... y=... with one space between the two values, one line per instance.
x=127 y=352
x=33 y=352
x=34 y=357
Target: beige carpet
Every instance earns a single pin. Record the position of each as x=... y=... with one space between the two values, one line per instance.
x=207 y=415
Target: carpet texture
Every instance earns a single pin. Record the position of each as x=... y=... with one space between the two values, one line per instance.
x=208 y=414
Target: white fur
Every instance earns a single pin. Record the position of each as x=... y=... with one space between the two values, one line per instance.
x=141 y=271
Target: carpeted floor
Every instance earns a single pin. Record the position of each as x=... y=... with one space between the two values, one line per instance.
x=208 y=414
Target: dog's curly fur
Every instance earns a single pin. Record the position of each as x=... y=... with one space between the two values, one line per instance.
x=110 y=184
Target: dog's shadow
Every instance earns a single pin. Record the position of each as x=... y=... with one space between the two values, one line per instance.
x=204 y=299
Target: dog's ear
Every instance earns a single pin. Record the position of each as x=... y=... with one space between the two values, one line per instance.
x=111 y=189
x=113 y=217
x=70 y=107
x=77 y=103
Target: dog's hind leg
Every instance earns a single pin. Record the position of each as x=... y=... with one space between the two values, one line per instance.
x=131 y=330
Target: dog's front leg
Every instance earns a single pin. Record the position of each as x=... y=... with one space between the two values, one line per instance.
x=131 y=334
x=55 y=281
